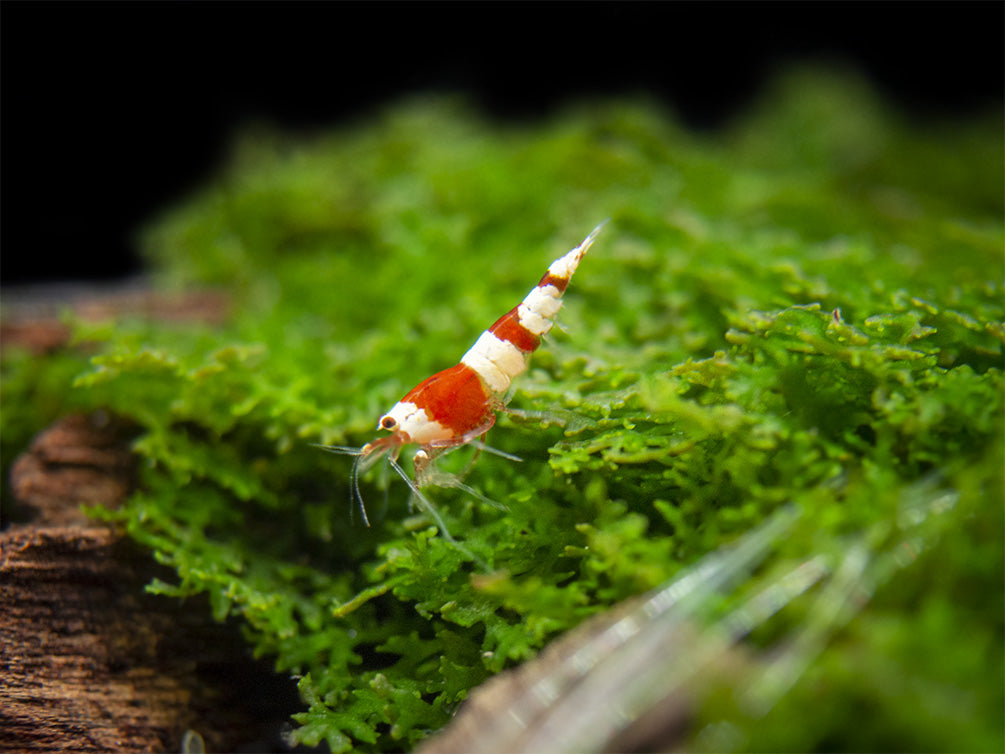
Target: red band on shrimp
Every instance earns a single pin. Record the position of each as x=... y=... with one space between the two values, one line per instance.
x=508 y=327
x=454 y=397
x=558 y=282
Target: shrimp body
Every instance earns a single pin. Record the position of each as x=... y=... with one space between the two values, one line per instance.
x=459 y=404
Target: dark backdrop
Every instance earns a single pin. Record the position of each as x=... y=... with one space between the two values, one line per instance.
x=110 y=111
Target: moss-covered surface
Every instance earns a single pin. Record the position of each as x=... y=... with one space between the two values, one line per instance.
x=806 y=307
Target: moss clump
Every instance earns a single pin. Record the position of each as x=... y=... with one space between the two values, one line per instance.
x=804 y=308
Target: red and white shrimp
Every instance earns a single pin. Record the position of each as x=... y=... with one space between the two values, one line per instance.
x=456 y=406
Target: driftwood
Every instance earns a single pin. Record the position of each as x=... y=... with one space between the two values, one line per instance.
x=88 y=660
x=90 y=663
x=33 y=317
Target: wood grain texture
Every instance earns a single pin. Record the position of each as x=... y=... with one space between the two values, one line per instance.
x=90 y=662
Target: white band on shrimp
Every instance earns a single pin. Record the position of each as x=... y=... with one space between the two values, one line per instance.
x=415 y=423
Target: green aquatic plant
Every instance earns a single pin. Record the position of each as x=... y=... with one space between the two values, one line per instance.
x=805 y=308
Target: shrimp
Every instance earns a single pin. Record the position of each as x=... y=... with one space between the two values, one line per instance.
x=458 y=405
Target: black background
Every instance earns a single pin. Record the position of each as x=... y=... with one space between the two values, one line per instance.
x=111 y=111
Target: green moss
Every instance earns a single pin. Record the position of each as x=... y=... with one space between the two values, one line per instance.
x=805 y=308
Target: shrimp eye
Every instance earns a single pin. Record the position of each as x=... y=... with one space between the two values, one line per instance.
x=388 y=422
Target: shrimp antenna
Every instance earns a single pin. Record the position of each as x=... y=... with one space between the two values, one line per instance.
x=355 y=496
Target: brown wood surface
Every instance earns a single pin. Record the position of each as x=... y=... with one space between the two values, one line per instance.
x=33 y=318
x=88 y=660
x=91 y=663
